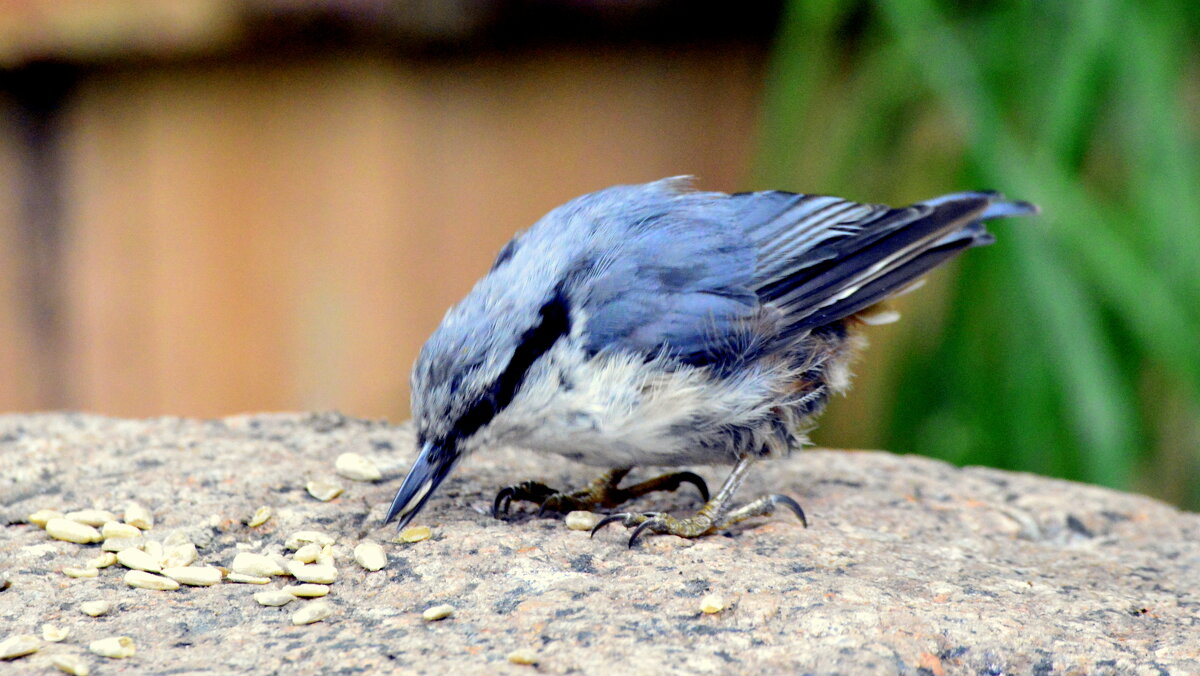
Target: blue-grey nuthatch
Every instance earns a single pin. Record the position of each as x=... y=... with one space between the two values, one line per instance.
x=657 y=325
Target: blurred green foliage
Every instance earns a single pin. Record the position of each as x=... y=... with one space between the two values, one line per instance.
x=1071 y=347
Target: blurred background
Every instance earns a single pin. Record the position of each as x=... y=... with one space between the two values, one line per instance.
x=220 y=206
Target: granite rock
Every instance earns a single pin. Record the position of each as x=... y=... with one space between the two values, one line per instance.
x=910 y=565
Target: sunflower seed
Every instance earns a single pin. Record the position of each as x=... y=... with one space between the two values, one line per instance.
x=72 y=531
x=260 y=517
x=323 y=490
x=138 y=560
x=308 y=553
x=115 y=647
x=302 y=537
x=370 y=555
x=307 y=591
x=54 y=634
x=143 y=580
x=87 y=571
x=103 y=560
x=116 y=529
x=71 y=664
x=139 y=516
x=523 y=656
x=712 y=604
x=313 y=611
x=320 y=574
x=40 y=517
x=274 y=597
x=582 y=520
x=356 y=467
x=19 y=646
x=195 y=576
x=121 y=544
x=257 y=565
x=435 y=613
x=246 y=579
x=95 y=608
x=178 y=556
x=415 y=534
x=325 y=558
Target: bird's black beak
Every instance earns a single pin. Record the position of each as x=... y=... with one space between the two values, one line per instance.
x=433 y=465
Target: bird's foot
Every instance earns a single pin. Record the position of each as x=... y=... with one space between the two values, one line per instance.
x=602 y=493
x=707 y=520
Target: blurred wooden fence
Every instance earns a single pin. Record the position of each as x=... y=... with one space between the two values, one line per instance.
x=257 y=236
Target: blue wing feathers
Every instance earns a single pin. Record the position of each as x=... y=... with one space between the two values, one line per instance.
x=678 y=287
x=692 y=270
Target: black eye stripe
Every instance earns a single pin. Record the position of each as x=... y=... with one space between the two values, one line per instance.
x=555 y=323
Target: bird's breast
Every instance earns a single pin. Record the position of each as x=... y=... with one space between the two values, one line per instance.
x=619 y=410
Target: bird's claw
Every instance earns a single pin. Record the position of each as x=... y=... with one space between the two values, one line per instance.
x=562 y=503
x=656 y=523
x=703 y=522
x=603 y=493
x=777 y=499
x=639 y=521
x=503 y=500
x=531 y=491
x=693 y=479
x=629 y=520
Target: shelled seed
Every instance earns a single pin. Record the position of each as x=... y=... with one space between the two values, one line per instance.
x=71 y=664
x=260 y=517
x=72 y=531
x=712 y=604
x=440 y=612
x=19 y=646
x=370 y=555
x=415 y=534
x=116 y=529
x=138 y=560
x=116 y=647
x=138 y=516
x=40 y=517
x=356 y=467
x=195 y=576
x=95 y=608
x=143 y=580
x=323 y=490
x=258 y=565
x=313 y=611
x=307 y=591
x=274 y=597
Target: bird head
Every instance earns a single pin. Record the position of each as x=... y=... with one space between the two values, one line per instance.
x=470 y=370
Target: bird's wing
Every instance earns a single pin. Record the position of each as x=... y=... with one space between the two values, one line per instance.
x=679 y=284
x=823 y=258
x=693 y=272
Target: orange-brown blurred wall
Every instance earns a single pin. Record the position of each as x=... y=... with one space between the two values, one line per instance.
x=283 y=236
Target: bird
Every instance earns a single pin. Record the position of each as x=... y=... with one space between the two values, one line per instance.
x=658 y=325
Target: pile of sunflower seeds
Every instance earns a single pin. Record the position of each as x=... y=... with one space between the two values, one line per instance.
x=167 y=564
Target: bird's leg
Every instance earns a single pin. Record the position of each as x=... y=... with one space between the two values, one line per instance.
x=603 y=492
x=715 y=515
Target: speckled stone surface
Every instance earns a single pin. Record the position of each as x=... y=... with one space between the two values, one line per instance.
x=910 y=565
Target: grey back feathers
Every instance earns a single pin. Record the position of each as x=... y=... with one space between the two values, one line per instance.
x=659 y=270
